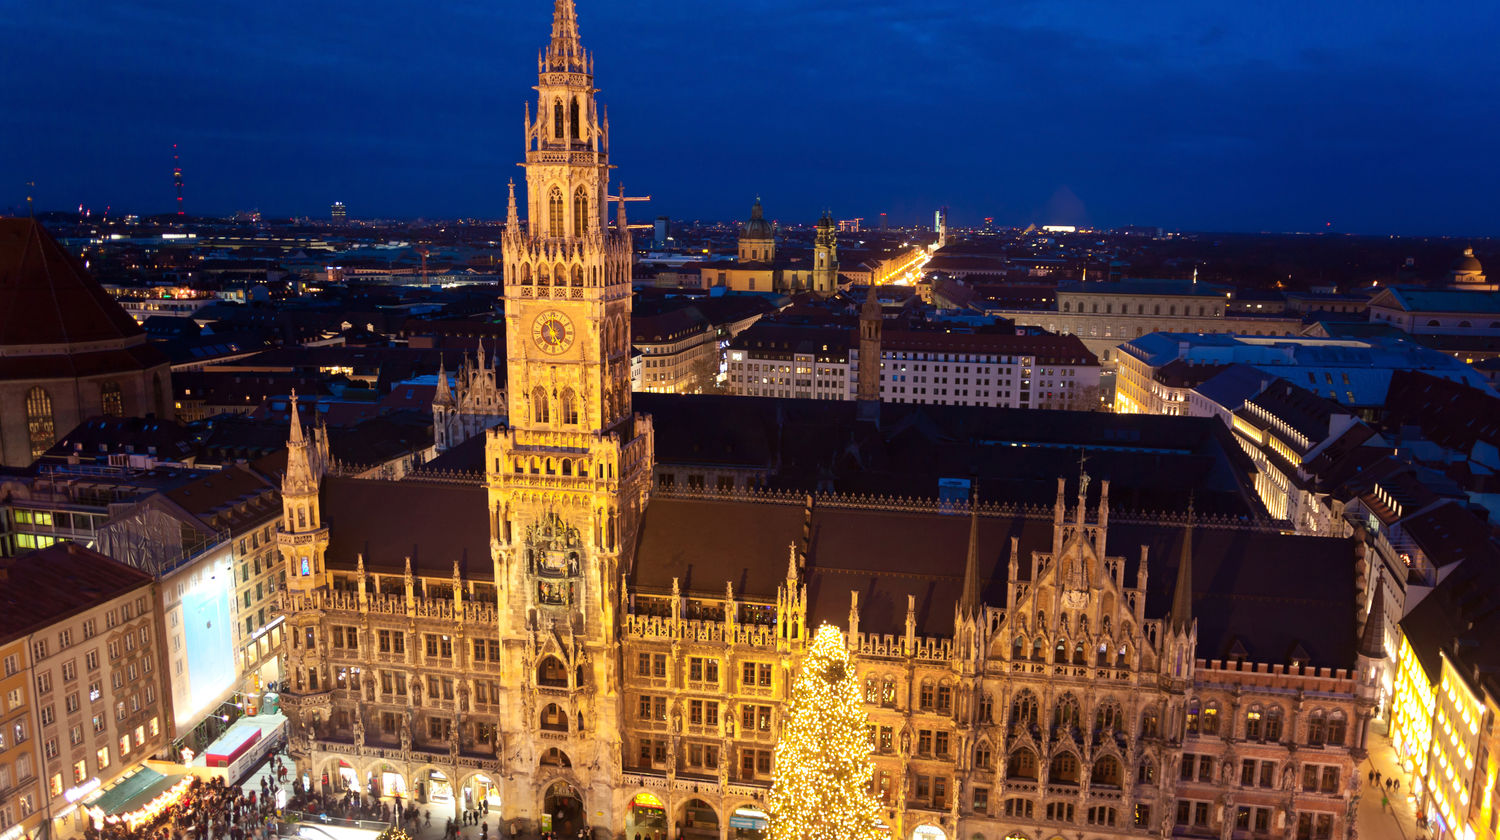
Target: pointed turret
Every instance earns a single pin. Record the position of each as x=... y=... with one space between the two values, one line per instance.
x=296 y=437
x=968 y=602
x=1182 y=597
x=512 y=213
x=444 y=394
x=1372 y=640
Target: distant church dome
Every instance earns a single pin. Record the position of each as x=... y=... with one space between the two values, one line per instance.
x=1468 y=264
x=757 y=227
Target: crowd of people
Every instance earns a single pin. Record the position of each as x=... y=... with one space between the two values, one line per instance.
x=214 y=810
x=211 y=810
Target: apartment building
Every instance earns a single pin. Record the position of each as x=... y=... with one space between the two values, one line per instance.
x=100 y=705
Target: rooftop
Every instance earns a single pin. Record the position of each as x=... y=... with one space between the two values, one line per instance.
x=47 y=586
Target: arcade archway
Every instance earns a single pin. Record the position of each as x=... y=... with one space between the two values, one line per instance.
x=699 y=821
x=562 y=810
x=928 y=832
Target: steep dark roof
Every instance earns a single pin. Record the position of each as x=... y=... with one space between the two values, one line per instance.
x=387 y=521
x=46 y=586
x=46 y=295
x=1264 y=591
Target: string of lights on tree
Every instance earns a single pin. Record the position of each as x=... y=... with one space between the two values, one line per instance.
x=822 y=785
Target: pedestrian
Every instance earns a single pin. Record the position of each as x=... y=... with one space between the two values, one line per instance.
x=1372 y=778
x=1377 y=777
x=1385 y=802
x=1398 y=784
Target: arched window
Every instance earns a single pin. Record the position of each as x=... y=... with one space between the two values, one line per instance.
x=888 y=692
x=1150 y=724
x=1106 y=772
x=554 y=719
x=580 y=214
x=111 y=401
x=1193 y=714
x=1036 y=649
x=555 y=212
x=1021 y=764
x=872 y=690
x=1338 y=728
x=39 y=422
x=569 y=408
x=1023 y=709
x=1432 y=323
x=577 y=275
x=1079 y=657
x=559 y=275
x=1066 y=713
x=573 y=118
x=1317 y=728
x=1060 y=653
x=1017 y=648
x=1108 y=716
x=550 y=672
x=557 y=119
x=525 y=274
x=1273 y=723
x=539 y=405
x=1063 y=770
x=1210 y=724
x=1253 y=720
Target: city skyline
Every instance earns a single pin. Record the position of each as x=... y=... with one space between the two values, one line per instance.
x=1257 y=119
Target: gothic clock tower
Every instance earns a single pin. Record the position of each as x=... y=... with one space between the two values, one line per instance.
x=569 y=476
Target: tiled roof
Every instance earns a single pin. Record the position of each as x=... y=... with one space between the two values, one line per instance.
x=46 y=586
x=46 y=295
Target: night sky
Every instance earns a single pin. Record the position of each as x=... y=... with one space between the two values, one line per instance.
x=1375 y=115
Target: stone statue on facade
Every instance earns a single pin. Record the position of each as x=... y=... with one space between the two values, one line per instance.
x=359 y=728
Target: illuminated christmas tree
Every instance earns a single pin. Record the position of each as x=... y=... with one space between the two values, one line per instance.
x=823 y=768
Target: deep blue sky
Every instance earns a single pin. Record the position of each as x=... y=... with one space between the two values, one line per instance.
x=1379 y=116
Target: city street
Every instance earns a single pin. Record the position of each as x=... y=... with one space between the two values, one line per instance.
x=1398 y=821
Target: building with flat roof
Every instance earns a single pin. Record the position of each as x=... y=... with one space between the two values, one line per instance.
x=1355 y=373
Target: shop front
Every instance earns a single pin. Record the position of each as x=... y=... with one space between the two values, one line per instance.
x=646 y=818
x=749 y=824
x=481 y=792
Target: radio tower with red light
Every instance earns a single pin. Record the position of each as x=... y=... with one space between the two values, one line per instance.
x=177 y=178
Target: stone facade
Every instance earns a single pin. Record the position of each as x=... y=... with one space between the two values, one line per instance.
x=573 y=678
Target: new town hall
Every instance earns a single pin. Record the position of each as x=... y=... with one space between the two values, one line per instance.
x=596 y=626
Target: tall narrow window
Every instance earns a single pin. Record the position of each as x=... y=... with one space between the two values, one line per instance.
x=580 y=212
x=573 y=118
x=555 y=213
x=557 y=119
x=578 y=275
x=569 y=408
x=525 y=274
x=39 y=422
x=559 y=275
x=111 y=401
x=539 y=405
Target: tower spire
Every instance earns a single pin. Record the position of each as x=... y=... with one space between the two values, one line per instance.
x=968 y=602
x=296 y=436
x=1182 y=598
x=443 y=394
x=512 y=215
x=566 y=50
x=1372 y=640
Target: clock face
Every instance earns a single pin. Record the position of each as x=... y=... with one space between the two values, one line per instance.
x=553 y=332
